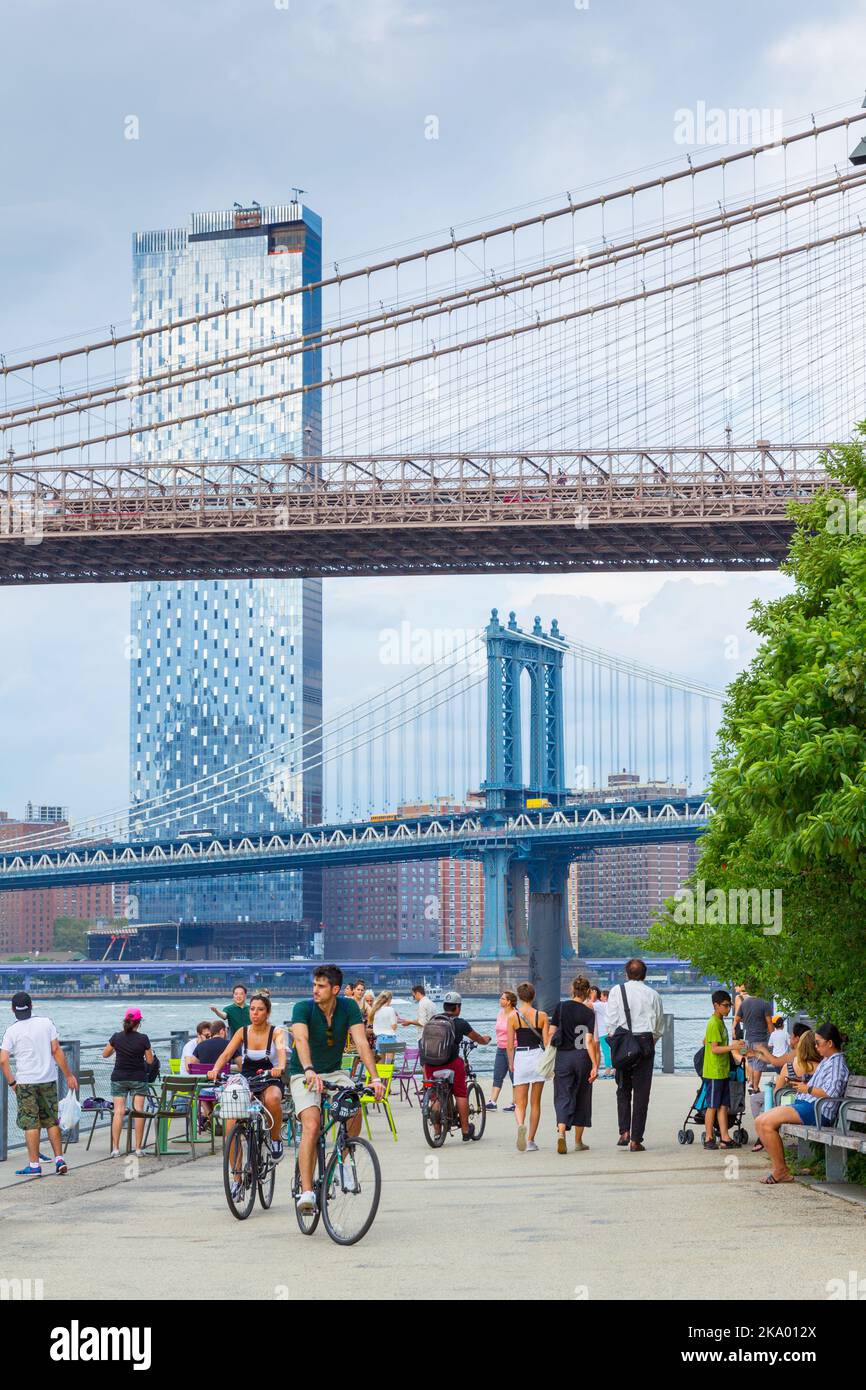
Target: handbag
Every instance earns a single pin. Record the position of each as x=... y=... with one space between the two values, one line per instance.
x=626 y=1050
x=547 y=1063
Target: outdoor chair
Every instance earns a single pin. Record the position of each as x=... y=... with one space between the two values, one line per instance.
x=94 y=1105
x=407 y=1075
x=386 y=1072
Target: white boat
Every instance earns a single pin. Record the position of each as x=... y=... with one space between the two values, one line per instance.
x=434 y=992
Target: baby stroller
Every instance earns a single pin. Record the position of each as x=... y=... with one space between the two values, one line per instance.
x=697 y=1109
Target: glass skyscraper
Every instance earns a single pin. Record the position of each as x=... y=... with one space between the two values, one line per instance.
x=223 y=670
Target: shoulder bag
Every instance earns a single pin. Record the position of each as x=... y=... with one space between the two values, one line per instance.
x=626 y=1050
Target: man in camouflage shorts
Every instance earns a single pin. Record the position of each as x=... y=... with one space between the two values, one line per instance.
x=34 y=1044
x=37 y=1105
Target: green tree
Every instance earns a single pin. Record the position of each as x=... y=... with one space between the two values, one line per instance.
x=789 y=775
x=70 y=934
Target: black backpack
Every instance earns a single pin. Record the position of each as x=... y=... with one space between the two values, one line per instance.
x=439 y=1041
x=152 y=1069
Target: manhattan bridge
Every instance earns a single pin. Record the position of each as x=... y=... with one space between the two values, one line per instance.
x=640 y=379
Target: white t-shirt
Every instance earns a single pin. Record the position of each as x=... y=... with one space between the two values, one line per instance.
x=188 y=1049
x=426 y=1010
x=29 y=1041
x=385 y=1020
x=778 y=1043
x=600 y=1009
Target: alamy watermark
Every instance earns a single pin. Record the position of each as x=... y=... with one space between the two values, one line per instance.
x=853 y=1287
x=409 y=645
x=23 y=519
x=846 y=516
x=738 y=125
x=755 y=907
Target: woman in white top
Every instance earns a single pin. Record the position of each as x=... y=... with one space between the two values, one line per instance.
x=383 y=1019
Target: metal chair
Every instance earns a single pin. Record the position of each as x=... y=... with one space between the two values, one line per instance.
x=407 y=1076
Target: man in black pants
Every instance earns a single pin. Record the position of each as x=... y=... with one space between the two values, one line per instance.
x=647 y=1023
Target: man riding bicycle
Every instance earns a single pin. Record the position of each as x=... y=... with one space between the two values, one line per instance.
x=460 y=1030
x=320 y=1028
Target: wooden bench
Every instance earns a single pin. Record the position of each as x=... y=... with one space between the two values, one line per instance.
x=839 y=1139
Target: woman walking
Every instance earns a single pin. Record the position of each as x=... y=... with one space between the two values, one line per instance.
x=501 y=1069
x=577 y=1062
x=528 y=1029
x=133 y=1057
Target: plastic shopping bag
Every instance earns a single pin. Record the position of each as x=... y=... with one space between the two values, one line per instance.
x=69 y=1111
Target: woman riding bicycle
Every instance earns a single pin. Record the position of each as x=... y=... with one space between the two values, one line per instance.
x=263 y=1061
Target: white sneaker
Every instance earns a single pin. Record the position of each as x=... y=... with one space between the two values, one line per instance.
x=115 y=1153
x=307 y=1202
x=532 y=1147
x=140 y=1153
x=521 y=1138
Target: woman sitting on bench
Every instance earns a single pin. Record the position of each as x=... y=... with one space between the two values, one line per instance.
x=813 y=1104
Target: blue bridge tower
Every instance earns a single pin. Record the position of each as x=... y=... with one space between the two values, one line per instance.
x=510 y=932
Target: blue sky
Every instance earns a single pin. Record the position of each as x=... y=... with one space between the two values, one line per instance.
x=242 y=99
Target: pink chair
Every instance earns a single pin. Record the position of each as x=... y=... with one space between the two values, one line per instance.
x=408 y=1074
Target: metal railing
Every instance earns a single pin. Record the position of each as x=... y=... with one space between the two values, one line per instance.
x=81 y=1057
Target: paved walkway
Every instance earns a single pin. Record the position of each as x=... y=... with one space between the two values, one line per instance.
x=473 y=1221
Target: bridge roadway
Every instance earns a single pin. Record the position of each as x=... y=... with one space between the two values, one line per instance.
x=565 y=832
x=642 y=508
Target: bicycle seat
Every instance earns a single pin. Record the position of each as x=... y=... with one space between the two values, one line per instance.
x=446 y=1075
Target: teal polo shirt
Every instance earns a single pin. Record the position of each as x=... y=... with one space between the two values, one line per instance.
x=327 y=1045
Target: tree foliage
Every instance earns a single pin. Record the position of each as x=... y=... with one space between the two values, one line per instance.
x=789 y=775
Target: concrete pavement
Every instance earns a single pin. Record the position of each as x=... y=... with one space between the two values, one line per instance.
x=473 y=1221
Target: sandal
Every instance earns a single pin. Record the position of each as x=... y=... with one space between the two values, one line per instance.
x=758 y=1148
x=770 y=1181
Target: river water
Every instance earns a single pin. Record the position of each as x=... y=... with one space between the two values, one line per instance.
x=93 y=1020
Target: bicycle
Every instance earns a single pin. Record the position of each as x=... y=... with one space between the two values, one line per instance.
x=348 y=1181
x=439 y=1108
x=249 y=1165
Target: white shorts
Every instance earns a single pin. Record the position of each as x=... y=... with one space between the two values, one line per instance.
x=303 y=1099
x=526 y=1066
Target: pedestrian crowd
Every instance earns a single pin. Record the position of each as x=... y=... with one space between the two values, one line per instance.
x=796 y=1077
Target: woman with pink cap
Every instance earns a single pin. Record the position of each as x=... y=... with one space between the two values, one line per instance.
x=133 y=1056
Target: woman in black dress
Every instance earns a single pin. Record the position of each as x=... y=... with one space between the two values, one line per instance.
x=577 y=1063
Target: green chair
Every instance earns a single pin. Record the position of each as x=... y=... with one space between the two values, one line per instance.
x=386 y=1072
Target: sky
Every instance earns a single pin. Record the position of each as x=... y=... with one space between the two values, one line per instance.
x=243 y=99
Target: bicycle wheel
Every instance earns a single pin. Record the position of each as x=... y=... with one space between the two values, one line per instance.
x=239 y=1171
x=307 y=1220
x=267 y=1171
x=352 y=1190
x=477 y=1109
x=432 y=1108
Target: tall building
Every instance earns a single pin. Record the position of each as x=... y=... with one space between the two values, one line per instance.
x=382 y=910
x=27 y=917
x=461 y=892
x=419 y=907
x=620 y=888
x=225 y=669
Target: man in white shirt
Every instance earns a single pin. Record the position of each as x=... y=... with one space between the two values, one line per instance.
x=647 y=1024
x=202 y=1033
x=34 y=1045
x=426 y=1009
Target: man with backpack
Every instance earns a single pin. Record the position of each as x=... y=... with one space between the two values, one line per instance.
x=439 y=1050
